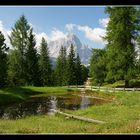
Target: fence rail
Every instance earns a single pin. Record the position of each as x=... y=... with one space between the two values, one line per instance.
x=103 y=88
x=111 y=89
x=75 y=86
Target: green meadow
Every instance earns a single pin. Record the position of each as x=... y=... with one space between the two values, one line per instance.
x=122 y=114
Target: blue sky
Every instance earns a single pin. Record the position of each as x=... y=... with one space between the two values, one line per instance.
x=88 y=23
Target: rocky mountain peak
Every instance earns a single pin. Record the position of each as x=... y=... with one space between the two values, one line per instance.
x=83 y=50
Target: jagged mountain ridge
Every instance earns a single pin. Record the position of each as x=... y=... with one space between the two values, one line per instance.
x=83 y=50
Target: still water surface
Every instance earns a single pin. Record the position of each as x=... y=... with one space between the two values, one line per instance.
x=43 y=105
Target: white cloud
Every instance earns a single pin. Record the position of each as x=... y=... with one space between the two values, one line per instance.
x=6 y=33
x=38 y=37
x=93 y=34
x=103 y=22
x=57 y=34
x=1 y=25
x=70 y=26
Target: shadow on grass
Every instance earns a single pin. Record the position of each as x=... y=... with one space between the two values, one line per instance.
x=15 y=94
x=21 y=90
x=19 y=94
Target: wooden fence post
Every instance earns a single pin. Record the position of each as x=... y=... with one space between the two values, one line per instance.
x=114 y=89
x=133 y=89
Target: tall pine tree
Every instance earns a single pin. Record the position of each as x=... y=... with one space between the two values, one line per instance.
x=138 y=42
x=120 y=48
x=13 y=72
x=78 y=70
x=45 y=65
x=31 y=59
x=19 y=40
x=85 y=73
x=3 y=61
x=60 y=69
x=71 y=73
x=98 y=66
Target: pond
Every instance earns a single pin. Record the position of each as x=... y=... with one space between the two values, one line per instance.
x=44 y=105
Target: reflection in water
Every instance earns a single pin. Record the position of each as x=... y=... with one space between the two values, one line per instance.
x=52 y=105
x=84 y=102
x=35 y=106
x=43 y=105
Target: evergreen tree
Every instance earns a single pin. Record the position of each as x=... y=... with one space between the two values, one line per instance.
x=138 y=42
x=78 y=70
x=13 y=66
x=138 y=26
x=45 y=65
x=98 y=66
x=121 y=32
x=19 y=40
x=3 y=61
x=31 y=59
x=84 y=73
x=60 y=69
x=53 y=78
x=71 y=73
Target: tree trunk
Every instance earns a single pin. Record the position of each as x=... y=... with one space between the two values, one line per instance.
x=78 y=117
x=126 y=83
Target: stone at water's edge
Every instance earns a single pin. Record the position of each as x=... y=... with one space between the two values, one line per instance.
x=67 y=118
x=51 y=113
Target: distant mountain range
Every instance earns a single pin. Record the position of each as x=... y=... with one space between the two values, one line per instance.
x=84 y=51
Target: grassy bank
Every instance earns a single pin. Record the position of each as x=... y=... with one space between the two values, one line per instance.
x=44 y=124
x=18 y=94
x=122 y=115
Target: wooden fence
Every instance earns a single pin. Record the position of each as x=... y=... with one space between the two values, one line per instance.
x=111 y=89
x=103 y=88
